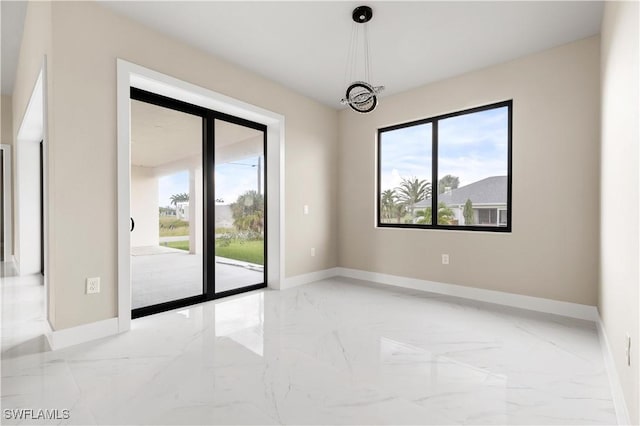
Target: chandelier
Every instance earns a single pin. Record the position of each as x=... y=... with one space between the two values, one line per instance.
x=361 y=96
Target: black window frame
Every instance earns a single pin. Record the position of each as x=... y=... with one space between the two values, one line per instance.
x=434 y=171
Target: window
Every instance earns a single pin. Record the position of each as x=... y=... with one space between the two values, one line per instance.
x=458 y=165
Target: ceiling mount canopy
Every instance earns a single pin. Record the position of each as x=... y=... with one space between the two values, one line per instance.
x=361 y=95
x=362 y=14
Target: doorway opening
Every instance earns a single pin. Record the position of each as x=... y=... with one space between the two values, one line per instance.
x=198 y=204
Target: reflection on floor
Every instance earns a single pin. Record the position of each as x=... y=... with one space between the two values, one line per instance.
x=160 y=274
x=8 y=269
x=337 y=351
x=23 y=318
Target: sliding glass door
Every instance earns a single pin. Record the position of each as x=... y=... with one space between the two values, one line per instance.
x=166 y=205
x=197 y=204
x=240 y=206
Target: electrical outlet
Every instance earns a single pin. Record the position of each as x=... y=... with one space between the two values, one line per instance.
x=445 y=259
x=305 y=209
x=313 y=251
x=627 y=348
x=93 y=285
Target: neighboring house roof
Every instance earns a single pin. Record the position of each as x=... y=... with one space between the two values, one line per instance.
x=491 y=190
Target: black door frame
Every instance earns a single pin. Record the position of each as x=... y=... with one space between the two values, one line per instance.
x=42 y=208
x=209 y=118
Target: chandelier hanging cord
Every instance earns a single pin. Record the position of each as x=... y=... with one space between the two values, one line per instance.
x=352 y=54
x=367 y=62
x=361 y=96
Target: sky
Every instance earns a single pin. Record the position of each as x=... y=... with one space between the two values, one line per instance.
x=232 y=179
x=237 y=177
x=172 y=184
x=471 y=147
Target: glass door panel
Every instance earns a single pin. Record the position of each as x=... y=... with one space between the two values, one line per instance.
x=239 y=206
x=166 y=205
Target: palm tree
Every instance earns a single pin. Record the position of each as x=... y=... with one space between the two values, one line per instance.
x=445 y=215
x=400 y=212
x=388 y=203
x=178 y=198
x=412 y=191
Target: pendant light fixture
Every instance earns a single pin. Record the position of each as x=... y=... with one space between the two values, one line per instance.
x=361 y=95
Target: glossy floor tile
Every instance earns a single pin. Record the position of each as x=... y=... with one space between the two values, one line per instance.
x=337 y=351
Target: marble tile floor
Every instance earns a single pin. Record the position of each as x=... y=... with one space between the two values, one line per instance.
x=337 y=351
x=7 y=269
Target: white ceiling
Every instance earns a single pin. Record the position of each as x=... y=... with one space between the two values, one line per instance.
x=303 y=45
x=13 y=13
x=161 y=136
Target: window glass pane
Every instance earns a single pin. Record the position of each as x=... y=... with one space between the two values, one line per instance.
x=503 y=218
x=240 y=206
x=166 y=205
x=472 y=168
x=405 y=175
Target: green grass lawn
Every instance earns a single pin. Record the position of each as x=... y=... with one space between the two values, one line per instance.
x=245 y=251
x=180 y=245
x=170 y=226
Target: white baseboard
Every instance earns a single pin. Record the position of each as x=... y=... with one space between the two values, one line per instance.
x=567 y=309
x=309 y=278
x=622 y=414
x=59 y=339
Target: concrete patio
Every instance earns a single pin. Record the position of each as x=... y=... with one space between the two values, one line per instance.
x=160 y=274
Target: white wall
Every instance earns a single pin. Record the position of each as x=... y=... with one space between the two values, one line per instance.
x=144 y=207
x=196 y=211
x=6 y=123
x=552 y=251
x=82 y=105
x=239 y=150
x=620 y=183
x=27 y=177
x=28 y=200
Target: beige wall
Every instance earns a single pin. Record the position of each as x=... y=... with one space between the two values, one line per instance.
x=36 y=43
x=620 y=215
x=553 y=249
x=83 y=157
x=7 y=120
x=35 y=46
